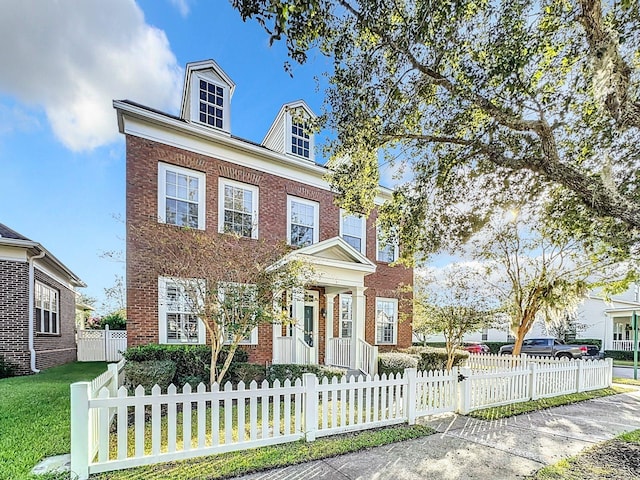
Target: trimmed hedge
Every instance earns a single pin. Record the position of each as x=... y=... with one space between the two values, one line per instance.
x=248 y=372
x=435 y=358
x=149 y=373
x=395 y=362
x=192 y=361
x=619 y=355
x=292 y=372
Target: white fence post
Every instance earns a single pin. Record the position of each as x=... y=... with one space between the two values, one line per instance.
x=464 y=390
x=310 y=382
x=410 y=397
x=533 y=381
x=580 y=376
x=609 y=371
x=80 y=430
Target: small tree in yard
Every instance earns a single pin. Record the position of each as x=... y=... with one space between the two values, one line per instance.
x=452 y=304
x=230 y=283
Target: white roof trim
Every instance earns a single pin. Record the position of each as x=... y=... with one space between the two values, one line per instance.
x=199 y=66
x=283 y=110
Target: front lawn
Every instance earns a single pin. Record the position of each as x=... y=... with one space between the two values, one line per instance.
x=35 y=418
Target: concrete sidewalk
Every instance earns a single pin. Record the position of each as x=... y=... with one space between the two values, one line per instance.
x=466 y=448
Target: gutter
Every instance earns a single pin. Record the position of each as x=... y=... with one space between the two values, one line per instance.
x=32 y=286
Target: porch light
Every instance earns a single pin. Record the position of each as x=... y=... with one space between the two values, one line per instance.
x=323 y=313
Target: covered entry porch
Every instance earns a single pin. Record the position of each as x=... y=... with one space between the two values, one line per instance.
x=338 y=272
x=622 y=336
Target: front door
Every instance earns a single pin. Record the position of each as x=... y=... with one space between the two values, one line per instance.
x=311 y=304
x=308 y=325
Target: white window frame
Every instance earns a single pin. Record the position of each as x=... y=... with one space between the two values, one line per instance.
x=316 y=217
x=363 y=229
x=222 y=182
x=163 y=168
x=395 y=321
x=163 y=283
x=345 y=296
x=39 y=290
x=396 y=250
x=289 y=137
x=253 y=335
x=195 y=102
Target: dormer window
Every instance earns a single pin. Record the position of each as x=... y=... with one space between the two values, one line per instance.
x=211 y=104
x=299 y=140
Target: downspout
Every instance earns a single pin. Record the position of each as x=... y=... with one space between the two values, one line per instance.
x=32 y=284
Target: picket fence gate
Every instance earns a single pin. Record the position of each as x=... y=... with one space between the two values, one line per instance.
x=101 y=345
x=113 y=429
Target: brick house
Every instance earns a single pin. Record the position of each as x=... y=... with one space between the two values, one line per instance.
x=191 y=170
x=37 y=305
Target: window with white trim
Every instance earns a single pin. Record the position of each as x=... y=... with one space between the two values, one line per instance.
x=346 y=318
x=386 y=321
x=242 y=301
x=387 y=251
x=302 y=222
x=300 y=141
x=177 y=311
x=353 y=230
x=47 y=319
x=238 y=208
x=181 y=194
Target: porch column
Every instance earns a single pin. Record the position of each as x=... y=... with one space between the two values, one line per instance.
x=357 y=323
x=607 y=341
x=297 y=302
x=328 y=328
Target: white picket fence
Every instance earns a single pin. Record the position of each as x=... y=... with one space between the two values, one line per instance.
x=113 y=430
x=101 y=345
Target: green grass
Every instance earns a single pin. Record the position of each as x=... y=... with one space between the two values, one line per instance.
x=505 y=411
x=247 y=461
x=624 y=363
x=35 y=417
x=626 y=381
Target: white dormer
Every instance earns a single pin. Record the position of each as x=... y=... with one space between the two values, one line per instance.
x=206 y=96
x=289 y=133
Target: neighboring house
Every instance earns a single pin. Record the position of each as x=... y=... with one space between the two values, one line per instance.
x=596 y=318
x=37 y=305
x=354 y=303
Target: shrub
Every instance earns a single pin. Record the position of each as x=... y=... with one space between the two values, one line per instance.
x=396 y=362
x=7 y=369
x=149 y=373
x=493 y=346
x=116 y=321
x=435 y=358
x=248 y=372
x=619 y=355
x=192 y=361
x=292 y=372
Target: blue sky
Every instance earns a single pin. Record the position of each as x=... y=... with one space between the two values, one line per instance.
x=61 y=159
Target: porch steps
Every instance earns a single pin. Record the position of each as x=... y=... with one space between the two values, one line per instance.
x=354 y=372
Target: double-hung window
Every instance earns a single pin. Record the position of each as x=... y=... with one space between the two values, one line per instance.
x=181 y=194
x=177 y=309
x=302 y=222
x=387 y=251
x=346 y=318
x=46 y=298
x=238 y=208
x=386 y=321
x=352 y=230
x=239 y=306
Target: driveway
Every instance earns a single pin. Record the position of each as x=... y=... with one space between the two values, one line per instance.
x=466 y=448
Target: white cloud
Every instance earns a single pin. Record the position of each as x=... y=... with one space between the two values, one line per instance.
x=72 y=58
x=182 y=6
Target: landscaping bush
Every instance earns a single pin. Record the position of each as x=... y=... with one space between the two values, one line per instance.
x=248 y=372
x=435 y=358
x=292 y=372
x=116 y=321
x=7 y=369
x=396 y=362
x=192 y=361
x=149 y=373
x=619 y=355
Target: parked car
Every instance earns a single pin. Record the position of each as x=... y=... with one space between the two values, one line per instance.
x=547 y=347
x=476 y=347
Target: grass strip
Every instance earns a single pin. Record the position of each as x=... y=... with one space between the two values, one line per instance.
x=506 y=411
x=626 y=381
x=35 y=416
x=254 y=460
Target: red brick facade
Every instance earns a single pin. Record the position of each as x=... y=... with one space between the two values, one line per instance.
x=142 y=206
x=51 y=350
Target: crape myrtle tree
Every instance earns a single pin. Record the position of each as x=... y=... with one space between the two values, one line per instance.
x=230 y=283
x=453 y=302
x=484 y=102
x=539 y=273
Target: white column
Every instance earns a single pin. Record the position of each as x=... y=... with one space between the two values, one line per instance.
x=276 y=331
x=297 y=301
x=357 y=323
x=607 y=341
x=328 y=328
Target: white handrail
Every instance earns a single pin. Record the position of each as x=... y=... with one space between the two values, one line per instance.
x=303 y=353
x=340 y=352
x=368 y=358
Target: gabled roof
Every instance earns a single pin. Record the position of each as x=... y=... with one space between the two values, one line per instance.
x=284 y=110
x=11 y=238
x=198 y=67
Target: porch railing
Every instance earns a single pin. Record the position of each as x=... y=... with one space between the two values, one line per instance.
x=303 y=352
x=340 y=352
x=623 y=345
x=283 y=350
x=367 y=358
